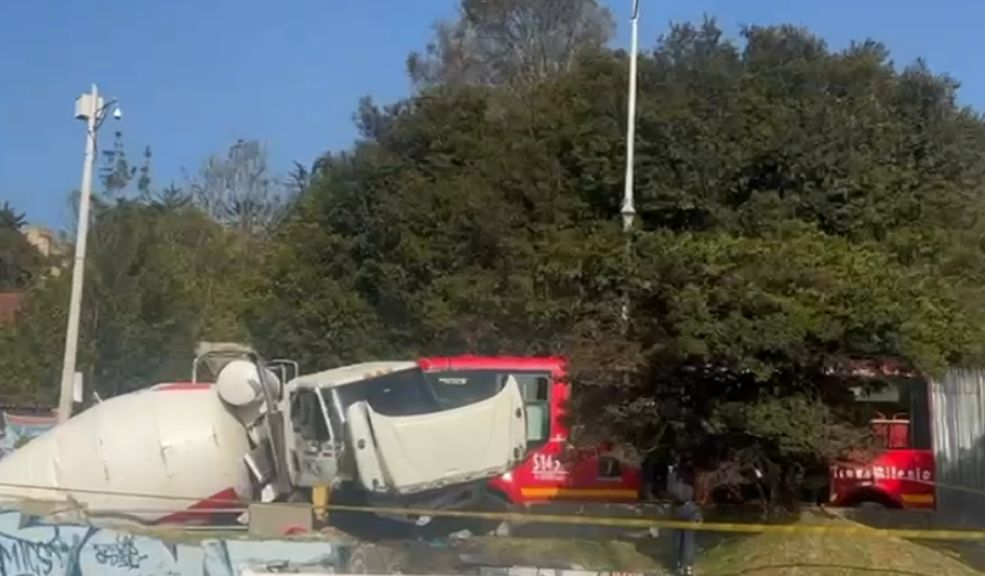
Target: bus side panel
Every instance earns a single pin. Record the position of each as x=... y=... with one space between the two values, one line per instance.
x=906 y=476
x=549 y=474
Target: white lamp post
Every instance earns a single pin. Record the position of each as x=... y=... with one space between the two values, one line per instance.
x=628 y=201
x=88 y=107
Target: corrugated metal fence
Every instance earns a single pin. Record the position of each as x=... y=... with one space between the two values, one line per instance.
x=957 y=404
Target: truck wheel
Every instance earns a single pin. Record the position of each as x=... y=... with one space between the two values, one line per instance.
x=373 y=560
x=495 y=502
x=299 y=496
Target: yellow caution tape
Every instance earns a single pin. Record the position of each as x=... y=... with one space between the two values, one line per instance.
x=852 y=529
x=842 y=530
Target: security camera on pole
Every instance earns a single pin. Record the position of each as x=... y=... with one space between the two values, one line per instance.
x=88 y=107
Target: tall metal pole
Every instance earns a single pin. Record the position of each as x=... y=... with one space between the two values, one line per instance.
x=88 y=107
x=628 y=201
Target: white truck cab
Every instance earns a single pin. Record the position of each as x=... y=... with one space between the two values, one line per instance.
x=375 y=428
x=378 y=426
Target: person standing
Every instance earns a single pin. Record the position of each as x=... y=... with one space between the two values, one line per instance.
x=680 y=488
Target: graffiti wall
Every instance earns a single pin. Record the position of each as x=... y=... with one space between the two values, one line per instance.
x=29 y=547
x=17 y=430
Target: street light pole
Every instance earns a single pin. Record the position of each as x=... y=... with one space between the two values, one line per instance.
x=88 y=107
x=628 y=201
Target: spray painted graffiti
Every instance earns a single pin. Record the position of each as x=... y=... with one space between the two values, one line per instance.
x=120 y=554
x=29 y=547
x=17 y=430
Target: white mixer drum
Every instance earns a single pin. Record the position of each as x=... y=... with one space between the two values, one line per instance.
x=150 y=455
x=239 y=384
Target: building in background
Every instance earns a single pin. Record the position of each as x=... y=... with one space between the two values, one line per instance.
x=48 y=243
x=55 y=251
x=10 y=303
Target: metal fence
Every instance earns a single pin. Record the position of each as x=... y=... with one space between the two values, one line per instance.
x=957 y=404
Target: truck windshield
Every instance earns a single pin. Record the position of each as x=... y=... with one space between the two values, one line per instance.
x=455 y=388
x=403 y=393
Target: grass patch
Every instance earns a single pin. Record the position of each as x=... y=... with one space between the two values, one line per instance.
x=827 y=555
x=559 y=553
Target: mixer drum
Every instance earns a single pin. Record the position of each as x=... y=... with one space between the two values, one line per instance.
x=150 y=455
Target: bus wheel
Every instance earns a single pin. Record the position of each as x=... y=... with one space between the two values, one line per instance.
x=872 y=500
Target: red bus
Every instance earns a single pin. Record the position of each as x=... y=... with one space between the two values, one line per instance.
x=901 y=473
x=545 y=476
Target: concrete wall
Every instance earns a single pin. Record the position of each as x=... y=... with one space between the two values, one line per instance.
x=29 y=547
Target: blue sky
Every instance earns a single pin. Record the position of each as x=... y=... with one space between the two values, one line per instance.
x=194 y=76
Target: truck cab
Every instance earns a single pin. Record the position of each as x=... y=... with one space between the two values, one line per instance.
x=376 y=430
x=551 y=471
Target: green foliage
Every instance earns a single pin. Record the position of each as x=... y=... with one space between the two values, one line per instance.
x=10 y=219
x=161 y=275
x=20 y=262
x=159 y=279
x=238 y=189
x=511 y=42
x=798 y=208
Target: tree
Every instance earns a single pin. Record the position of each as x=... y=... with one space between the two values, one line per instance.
x=11 y=219
x=163 y=278
x=160 y=278
x=239 y=190
x=799 y=208
x=116 y=171
x=511 y=41
x=20 y=262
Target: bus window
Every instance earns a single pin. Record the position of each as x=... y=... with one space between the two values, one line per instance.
x=897 y=413
x=919 y=408
x=536 y=399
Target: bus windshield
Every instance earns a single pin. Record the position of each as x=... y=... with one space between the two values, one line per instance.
x=897 y=412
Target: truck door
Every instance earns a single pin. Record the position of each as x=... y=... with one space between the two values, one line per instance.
x=313 y=457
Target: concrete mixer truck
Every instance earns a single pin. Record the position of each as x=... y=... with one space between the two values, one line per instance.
x=187 y=451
